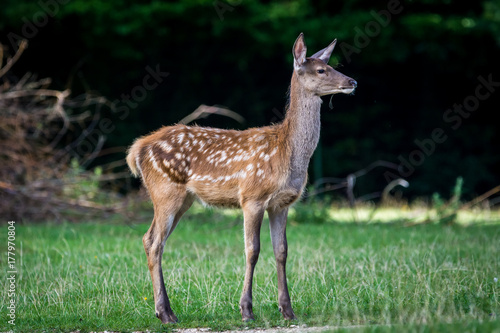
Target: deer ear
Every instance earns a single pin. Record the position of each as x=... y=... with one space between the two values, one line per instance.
x=325 y=53
x=299 y=52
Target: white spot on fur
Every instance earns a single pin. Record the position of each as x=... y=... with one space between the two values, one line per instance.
x=137 y=162
x=165 y=146
x=206 y=177
x=152 y=159
x=263 y=146
x=258 y=138
x=180 y=137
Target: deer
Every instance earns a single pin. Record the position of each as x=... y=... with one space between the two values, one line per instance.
x=258 y=169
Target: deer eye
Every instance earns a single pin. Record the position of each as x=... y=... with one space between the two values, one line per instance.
x=320 y=71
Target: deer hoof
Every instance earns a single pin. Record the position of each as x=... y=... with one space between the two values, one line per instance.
x=167 y=318
x=246 y=313
x=287 y=313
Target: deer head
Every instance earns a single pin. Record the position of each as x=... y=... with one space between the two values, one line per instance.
x=314 y=73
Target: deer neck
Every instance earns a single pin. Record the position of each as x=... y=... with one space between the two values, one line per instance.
x=302 y=127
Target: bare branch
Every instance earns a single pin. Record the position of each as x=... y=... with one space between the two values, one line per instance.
x=203 y=111
x=60 y=95
x=350 y=181
x=467 y=205
x=480 y=198
x=22 y=46
x=390 y=186
x=38 y=180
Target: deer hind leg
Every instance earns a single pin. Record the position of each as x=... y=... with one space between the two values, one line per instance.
x=168 y=209
x=253 y=214
x=277 y=222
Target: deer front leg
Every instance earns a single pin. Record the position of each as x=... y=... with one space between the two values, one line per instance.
x=277 y=222
x=253 y=214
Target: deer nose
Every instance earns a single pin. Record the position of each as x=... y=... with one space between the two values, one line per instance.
x=353 y=83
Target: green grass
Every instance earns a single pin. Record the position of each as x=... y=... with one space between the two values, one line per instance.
x=93 y=276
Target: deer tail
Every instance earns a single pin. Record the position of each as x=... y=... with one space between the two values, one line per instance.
x=133 y=158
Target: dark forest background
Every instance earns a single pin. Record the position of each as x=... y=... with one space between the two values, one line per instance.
x=416 y=63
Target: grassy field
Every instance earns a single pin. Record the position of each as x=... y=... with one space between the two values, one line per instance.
x=93 y=276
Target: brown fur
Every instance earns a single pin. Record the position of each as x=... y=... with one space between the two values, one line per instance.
x=222 y=167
